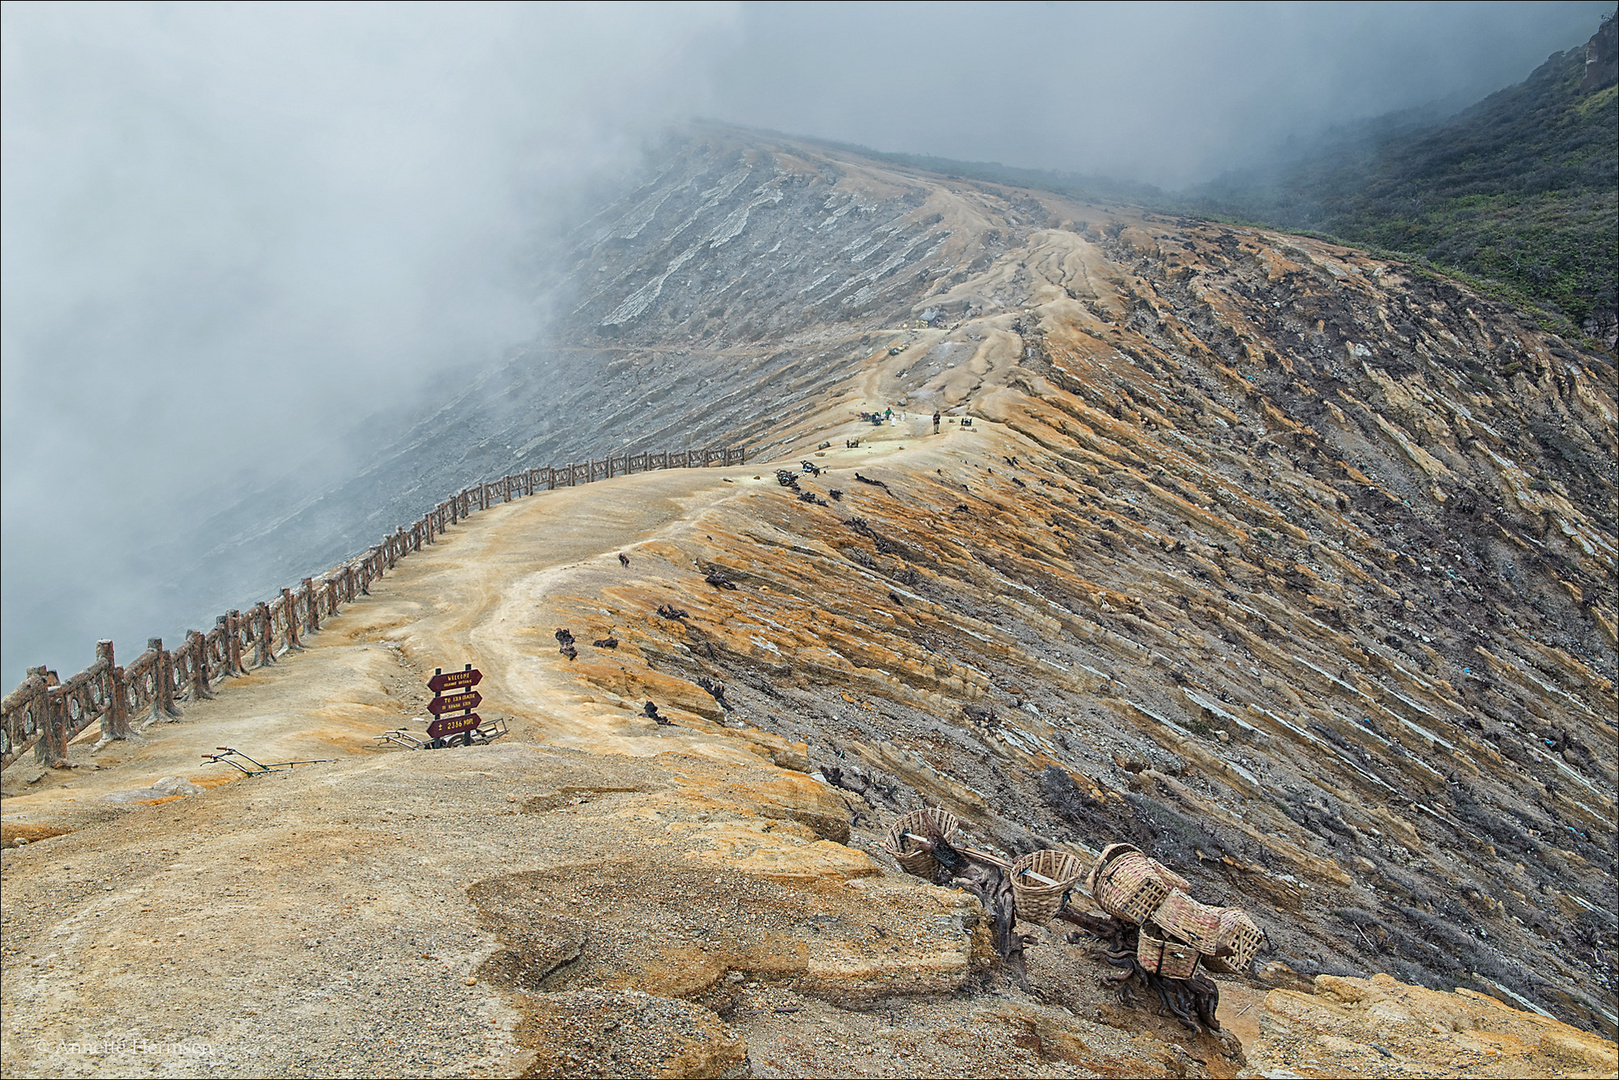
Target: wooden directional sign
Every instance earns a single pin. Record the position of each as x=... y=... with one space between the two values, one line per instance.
x=454 y=702
x=452 y=725
x=455 y=680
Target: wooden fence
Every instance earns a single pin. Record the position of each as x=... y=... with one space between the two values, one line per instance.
x=47 y=714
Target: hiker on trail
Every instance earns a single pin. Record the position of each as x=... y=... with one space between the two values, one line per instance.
x=935 y=421
x=888 y=414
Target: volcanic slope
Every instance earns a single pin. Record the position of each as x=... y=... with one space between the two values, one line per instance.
x=1284 y=561
x=1290 y=566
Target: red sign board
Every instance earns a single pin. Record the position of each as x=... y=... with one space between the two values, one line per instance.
x=454 y=702
x=452 y=725
x=454 y=680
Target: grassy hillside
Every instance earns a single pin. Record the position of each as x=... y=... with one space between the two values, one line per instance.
x=1520 y=189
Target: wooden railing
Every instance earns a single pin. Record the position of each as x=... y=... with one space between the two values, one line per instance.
x=47 y=714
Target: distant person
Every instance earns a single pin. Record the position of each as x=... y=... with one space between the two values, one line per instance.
x=888 y=414
x=624 y=559
x=935 y=421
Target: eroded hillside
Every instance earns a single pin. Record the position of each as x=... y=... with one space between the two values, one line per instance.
x=1286 y=565
x=1289 y=564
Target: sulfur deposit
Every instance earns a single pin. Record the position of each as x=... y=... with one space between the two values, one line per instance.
x=1287 y=565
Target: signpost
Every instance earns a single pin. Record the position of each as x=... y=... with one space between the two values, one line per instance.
x=453 y=725
x=452 y=693
x=467 y=700
x=455 y=680
x=446 y=728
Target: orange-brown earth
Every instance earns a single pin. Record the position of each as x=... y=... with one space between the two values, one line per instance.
x=1290 y=566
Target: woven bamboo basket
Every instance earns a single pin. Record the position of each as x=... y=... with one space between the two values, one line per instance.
x=1170 y=959
x=1130 y=887
x=1109 y=853
x=1238 y=933
x=1186 y=920
x=1172 y=879
x=1036 y=901
x=934 y=821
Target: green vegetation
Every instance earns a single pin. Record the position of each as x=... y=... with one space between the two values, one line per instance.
x=1521 y=190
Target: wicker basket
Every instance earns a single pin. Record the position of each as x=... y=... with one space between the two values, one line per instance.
x=933 y=821
x=1130 y=887
x=1170 y=959
x=1037 y=903
x=1109 y=853
x=1172 y=879
x=1184 y=919
x=1238 y=933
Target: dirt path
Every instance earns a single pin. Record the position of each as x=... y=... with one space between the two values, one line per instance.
x=488 y=593
x=477 y=595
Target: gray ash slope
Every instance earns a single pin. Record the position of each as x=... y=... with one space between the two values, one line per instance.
x=723 y=293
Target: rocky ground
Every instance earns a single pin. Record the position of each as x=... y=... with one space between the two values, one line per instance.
x=1287 y=565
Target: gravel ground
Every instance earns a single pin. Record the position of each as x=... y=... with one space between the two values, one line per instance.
x=483 y=912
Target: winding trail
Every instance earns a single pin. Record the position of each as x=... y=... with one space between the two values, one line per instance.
x=486 y=593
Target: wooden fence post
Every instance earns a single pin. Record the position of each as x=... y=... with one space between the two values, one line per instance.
x=289 y=610
x=51 y=749
x=311 y=608
x=115 y=721
x=197 y=646
x=163 y=675
x=229 y=625
x=263 y=634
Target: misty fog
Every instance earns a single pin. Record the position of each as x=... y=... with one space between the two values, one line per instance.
x=228 y=235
